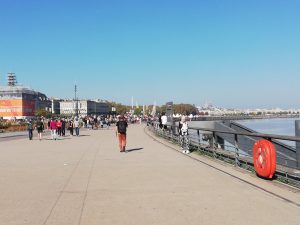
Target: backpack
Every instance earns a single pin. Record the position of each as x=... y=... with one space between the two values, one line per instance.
x=40 y=125
x=122 y=127
x=30 y=126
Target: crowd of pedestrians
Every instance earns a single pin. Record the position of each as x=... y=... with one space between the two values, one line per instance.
x=58 y=126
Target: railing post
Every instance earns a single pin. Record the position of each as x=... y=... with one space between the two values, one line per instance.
x=236 y=145
x=214 y=143
x=199 y=140
x=297 y=133
x=172 y=134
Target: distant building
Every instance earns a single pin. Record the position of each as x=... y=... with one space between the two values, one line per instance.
x=55 y=105
x=20 y=102
x=85 y=107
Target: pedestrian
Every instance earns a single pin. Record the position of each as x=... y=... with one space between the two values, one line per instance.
x=63 y=127
x=121 y=132
x=184 y=135
x=30 y=129
x=76 y=126
x=101 y=123
x=71 y=127
x=107 y=121
x=95 y=122
x=40 y=128
x=164 y=120
x=53 y=128
x=58 y=124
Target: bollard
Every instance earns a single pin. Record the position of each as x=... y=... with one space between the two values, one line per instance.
x=297 y=133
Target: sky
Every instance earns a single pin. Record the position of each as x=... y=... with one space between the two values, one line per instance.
x=233 y=54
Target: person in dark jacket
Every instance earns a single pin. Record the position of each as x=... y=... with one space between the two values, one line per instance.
x=30 y=129
x=121 y=132
x=71 y=127
x=63 y=127
x=40 y=128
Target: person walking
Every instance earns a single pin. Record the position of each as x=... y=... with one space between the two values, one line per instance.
x=184 y=135
x=40 y=128
x=30 y=129
x=71 y=127
x=53 y=128
x=121 y=127
x=164 y=121
x=107 y=121
x=63 y=127
x=58 y=124
x=76 y=126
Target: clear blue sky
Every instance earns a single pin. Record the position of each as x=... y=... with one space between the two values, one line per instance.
x=243 y=54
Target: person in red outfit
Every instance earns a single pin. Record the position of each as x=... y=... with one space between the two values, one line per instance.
x=53 y=128
x=121 y=132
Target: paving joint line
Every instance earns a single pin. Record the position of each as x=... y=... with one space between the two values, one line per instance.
x=88 y=184
x=64 y=187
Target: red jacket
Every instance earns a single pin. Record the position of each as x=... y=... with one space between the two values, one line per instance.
x=58 y=123
x=53 y=125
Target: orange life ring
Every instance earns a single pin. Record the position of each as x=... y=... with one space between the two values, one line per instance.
x=264 y=158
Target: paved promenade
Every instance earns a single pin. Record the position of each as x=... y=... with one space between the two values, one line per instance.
x=86 y=181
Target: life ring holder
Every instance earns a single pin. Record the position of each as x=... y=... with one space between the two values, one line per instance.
x=264 y=158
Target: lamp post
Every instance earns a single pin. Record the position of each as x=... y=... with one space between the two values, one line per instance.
x=76 y=101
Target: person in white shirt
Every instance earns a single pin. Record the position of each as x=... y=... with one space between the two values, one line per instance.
x=184 y=135
x=164 y=120
x=76 y=126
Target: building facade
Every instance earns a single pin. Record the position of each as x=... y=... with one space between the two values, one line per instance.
x=55 y=106
x=20 y=102
x=84 y=107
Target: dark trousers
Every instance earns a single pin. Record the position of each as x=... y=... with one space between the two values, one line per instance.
x=30 y=134
x=59 y=131
x=63 y=131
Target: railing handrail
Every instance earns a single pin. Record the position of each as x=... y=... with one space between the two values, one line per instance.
x=262 y=135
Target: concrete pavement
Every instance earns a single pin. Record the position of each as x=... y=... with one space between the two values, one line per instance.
x=86 y=180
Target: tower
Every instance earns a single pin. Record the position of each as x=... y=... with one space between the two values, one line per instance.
x=11 y=79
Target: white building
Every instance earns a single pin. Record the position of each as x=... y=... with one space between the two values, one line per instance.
x=85 y=107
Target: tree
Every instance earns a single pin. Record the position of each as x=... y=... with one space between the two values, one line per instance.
x=137 y=111
x=120 y=109
x=185 y=109
x=43 y=113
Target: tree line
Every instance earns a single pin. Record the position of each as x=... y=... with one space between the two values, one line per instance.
x=182 y=108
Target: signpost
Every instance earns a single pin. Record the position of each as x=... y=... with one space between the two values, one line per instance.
x=169 y=114
x=169 y=111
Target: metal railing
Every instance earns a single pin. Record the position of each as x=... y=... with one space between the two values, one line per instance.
x=205 y=141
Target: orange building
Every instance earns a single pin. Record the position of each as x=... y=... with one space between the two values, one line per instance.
x=21 y=102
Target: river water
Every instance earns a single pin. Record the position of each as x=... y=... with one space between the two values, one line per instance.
x=278 y=126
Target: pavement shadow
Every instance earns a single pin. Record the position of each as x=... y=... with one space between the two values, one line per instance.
x=134 y=149
x=58 y=139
